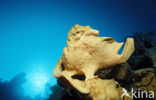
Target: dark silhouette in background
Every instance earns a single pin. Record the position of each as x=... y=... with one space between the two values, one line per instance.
x=12 y=90
x=142 y=56
x=60 y=94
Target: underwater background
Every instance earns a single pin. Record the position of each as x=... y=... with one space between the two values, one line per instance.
x=33 y=34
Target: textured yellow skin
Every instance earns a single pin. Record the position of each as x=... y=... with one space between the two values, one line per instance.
x=85 y=53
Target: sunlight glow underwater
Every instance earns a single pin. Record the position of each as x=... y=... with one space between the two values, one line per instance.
x=38 y=84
